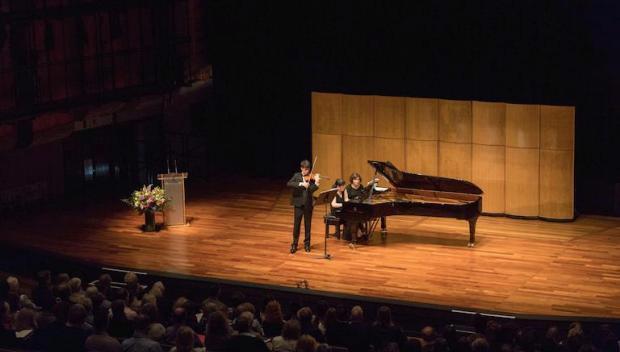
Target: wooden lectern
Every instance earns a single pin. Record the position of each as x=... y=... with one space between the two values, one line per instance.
x=174 y=187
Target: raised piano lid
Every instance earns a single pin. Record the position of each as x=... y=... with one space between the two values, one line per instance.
x=401 y=179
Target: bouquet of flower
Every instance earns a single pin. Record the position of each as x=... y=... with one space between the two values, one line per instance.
x=148 y=198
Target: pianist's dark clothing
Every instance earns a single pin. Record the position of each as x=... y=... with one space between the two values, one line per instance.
x=356 y=194
x=339 y=200
x=301 y=199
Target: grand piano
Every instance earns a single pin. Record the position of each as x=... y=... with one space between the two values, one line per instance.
x=415 y=194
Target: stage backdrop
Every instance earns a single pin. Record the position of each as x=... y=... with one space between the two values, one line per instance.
x=520 y=155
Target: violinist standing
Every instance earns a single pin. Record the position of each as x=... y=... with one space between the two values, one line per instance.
x=303 y=184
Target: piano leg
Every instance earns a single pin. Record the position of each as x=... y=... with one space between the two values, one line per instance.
x=472 y=231
x=383 y=228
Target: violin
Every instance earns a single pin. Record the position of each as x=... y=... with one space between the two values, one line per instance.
x=313 y=177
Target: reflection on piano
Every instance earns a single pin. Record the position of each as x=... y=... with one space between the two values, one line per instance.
x=414 y=194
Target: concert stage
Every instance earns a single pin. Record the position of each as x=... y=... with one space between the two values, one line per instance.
x=241 y=232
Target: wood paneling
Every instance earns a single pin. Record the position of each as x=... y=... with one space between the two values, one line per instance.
x=326 y=113
x=522 y=126
x=498 y=146
x=422 y=157
x=522 y=181
x=556 y=184
x=455 y=160
x=489 y=123
x=488 y=167
x=557 y=127
x=328 y=148
x=422 y=117
x=455 y=121
x=356 y=151
x=390 y=149
x=358 y=115
x=389 y=117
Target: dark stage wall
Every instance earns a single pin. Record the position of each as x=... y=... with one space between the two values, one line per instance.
x=268 y=57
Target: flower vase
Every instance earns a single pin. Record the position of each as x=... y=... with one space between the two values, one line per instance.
x=149 y=221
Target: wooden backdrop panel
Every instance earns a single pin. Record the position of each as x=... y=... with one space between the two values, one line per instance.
x=488 y=173
x=489 y=123
x=455 y=160
x=557 y=127
x=422 y=117
x=522 y=126
x=422 y=157
x=356 y=151
x=556 y=184
x=326 y=113
x=391 y=150
x=522 y=181
x=389 y=117
x=358 y=115
x=455 y=121
x=328 y=148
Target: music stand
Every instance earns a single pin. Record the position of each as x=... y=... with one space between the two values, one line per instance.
x=326 y=198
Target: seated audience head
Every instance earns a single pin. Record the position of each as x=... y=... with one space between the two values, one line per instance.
x=131 y=281
x=91 y=291
x=291 y=330
x=104 y=283
x=245 y=307
x=63 y=292
x=384 y=316
x=273 y=312
x=306 y=343
x=480 y=344
x=150 y=310
x=77 y=315
x=357 y=314
x=331 y=316
x=13 y=284
x=179 y=316
x=75 y=285
x=157 y=332
x=304 y=315
x=185 y=339
x=62 y=278
x=158 y=289
x=244 y=322
x=428 y=334
x=217 y=325
x=44 y=278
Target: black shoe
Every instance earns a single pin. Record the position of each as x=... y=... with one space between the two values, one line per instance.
x=293 y=248
x=307 y=247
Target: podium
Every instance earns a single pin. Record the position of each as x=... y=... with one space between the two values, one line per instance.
x=174 y=187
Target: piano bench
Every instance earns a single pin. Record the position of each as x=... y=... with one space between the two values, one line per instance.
x=330 y=219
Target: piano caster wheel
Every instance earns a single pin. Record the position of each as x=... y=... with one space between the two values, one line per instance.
x=471 y=244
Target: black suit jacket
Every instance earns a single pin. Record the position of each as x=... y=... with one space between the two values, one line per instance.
x=301 y=196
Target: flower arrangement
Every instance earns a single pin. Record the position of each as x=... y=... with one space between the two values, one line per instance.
x=148 y=198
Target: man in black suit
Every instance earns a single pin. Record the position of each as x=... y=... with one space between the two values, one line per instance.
x=301 y=200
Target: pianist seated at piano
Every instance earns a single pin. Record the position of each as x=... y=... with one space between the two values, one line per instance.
x=340 y=198
x=354 y=231
x=355 y=191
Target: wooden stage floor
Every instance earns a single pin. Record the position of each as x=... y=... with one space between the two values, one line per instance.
x=523 y=267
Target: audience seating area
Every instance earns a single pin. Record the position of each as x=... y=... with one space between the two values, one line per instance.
x=123 y=311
